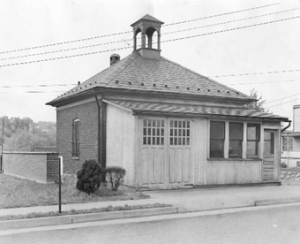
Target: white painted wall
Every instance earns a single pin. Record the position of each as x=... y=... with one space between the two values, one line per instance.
x=120 y=141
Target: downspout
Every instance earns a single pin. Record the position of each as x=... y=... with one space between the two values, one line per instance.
x=101 y=157
x=287 y=143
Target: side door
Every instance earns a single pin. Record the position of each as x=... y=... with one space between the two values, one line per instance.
x=268 y=167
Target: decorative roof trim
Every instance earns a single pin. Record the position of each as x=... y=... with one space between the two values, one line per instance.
x=118 y=106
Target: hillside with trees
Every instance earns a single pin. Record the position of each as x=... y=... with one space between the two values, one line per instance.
x=23 y=134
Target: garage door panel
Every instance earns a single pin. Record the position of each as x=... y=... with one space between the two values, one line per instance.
x=172 y=165
x=166 y=152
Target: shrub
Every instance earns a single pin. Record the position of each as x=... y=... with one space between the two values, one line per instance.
x=283 y=165
x=89 y=177
x=115 y=176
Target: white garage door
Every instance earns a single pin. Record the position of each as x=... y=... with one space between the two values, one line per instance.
x=166 y=152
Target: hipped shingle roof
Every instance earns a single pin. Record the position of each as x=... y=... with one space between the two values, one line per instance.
x=140 y=74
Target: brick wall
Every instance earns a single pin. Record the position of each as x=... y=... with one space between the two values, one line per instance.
x=38 y=166
x=52 y=167
x=87 y=113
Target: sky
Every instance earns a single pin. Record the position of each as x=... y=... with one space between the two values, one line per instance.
x=264 y=57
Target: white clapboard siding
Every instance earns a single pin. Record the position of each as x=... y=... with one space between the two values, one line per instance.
x=233 y=172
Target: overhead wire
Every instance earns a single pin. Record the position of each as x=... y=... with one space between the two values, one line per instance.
x=279 y=104
x=263 y=82
x=163 y=34
x=170 y=40
x=126 y=32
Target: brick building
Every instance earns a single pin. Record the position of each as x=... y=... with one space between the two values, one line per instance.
x=168 y=126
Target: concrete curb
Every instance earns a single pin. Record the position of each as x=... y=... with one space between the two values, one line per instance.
x=277 y=201
x=80 y=218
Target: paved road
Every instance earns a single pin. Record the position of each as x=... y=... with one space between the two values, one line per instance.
x=279 y=225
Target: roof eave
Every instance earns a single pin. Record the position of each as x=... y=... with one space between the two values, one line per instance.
x=63 y=100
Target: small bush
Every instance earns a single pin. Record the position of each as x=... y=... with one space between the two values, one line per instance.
x=283 y=165
x=115 y=176
x=89 y=177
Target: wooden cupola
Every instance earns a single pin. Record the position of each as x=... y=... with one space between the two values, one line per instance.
x=148 y=28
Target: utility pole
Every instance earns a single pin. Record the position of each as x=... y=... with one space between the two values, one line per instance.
x=2 y=144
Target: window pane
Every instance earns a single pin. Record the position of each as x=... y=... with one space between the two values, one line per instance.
x=216 y=148
x=235 y=149
x=253 y=132
x=252 y=148
x=236 y=131
x=269 y=143
x=217 y=130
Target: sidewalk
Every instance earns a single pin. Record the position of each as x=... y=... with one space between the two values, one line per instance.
x=188 y=200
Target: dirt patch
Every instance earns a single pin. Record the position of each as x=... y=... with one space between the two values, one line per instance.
x=17 y=192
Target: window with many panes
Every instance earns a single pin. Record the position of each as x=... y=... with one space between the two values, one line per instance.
x=217 y=137
x=153 y=131
x=231 y=143
x=75 y=138
x=253 y=138
x=179 y=132
x=235 y=140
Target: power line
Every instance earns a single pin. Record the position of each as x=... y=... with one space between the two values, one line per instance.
x=262 y=82
x=170 y=40
x=223 y=14
x=167 y=33
x=283 y=103
x=233 y=21
x=272 y=101
x=126 y=32
x=256 y=73
x=63 y=57
x=38 y=92
x=25 y=86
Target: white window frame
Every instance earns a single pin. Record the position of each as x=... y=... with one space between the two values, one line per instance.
x=244 y=142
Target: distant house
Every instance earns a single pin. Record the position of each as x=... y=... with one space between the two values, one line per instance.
x=168 y=126
x=291 y=142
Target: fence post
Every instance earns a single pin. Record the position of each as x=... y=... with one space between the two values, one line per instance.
x=1 y=160
x=59 y=186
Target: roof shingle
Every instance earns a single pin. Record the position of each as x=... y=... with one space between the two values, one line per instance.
x=137 y=73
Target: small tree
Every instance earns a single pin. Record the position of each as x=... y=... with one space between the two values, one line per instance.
x=115 y=176
x=257 y=105
x=89 y=177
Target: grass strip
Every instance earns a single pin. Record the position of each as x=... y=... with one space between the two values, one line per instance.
x=84 y=211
